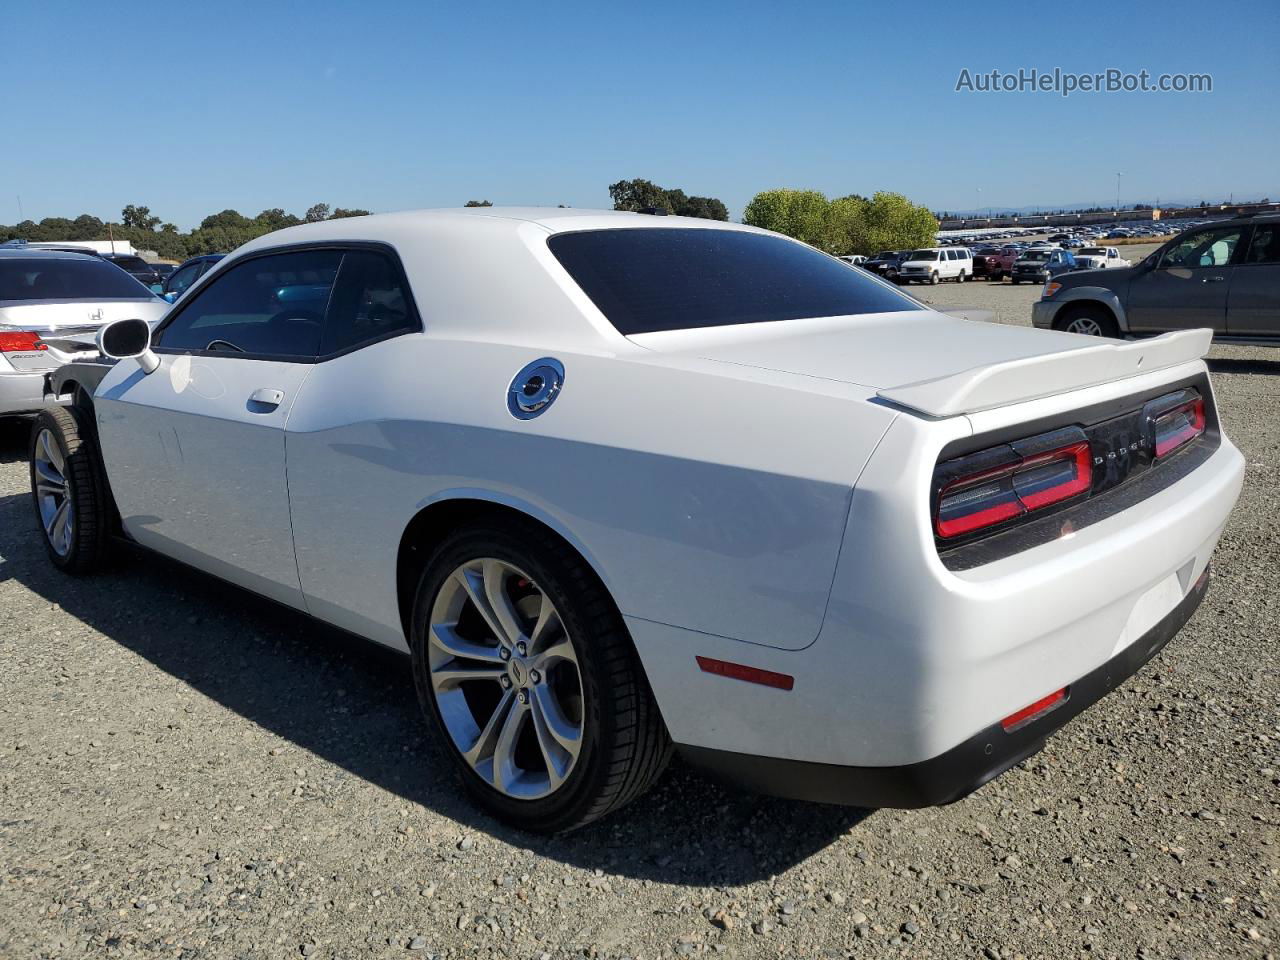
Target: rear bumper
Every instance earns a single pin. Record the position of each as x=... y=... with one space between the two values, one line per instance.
x=21 y=393
x=959 y=771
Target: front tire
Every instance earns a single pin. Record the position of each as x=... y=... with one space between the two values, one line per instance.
x=1090 y=322
x=68 y=491
x=525 y=667
x=933 y=278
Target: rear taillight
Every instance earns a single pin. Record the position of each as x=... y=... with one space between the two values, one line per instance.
x=16 y=341
x=1031 y=475
x=1177 y=427
x=1034 y=711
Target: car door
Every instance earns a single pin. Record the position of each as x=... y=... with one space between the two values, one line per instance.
x=345 y=456
x=1187 y=284
x=1253 y=299
x=195 y=450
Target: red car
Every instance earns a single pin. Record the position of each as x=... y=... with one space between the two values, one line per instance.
x=986 y=262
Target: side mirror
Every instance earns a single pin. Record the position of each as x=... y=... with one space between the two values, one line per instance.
x=125 y=339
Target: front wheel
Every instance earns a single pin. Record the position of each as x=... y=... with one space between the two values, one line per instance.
x=1090 y=323
x=524 y=665
x=68 y=491
x=933 y=278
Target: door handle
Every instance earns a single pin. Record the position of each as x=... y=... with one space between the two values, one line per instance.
x=267 y=397
x=1212 y=279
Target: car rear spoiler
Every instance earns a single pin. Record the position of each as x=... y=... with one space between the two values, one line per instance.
x=1015 y=381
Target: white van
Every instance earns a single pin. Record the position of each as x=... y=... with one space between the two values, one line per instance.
x=935 y=264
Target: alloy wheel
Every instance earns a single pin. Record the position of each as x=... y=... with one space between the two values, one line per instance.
x=506 y=678
x=1086 y=325
x=57 y=513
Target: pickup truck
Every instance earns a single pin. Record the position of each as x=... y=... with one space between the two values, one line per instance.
x=1100 y=258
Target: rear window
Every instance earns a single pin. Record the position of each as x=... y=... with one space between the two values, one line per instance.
x=55 y=279
x=651 y=279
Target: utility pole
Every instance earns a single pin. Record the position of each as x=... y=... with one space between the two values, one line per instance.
x=1118 y=176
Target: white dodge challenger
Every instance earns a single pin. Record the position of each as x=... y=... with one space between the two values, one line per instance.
x=621 y=483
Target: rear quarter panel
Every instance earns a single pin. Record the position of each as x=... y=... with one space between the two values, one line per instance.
x=704 y=495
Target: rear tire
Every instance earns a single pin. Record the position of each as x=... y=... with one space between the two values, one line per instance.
x=69 y=491
x=506 y=731
x=960 y=277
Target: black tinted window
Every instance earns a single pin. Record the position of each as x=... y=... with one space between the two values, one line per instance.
x=53 y=279
x=269 y=306
x=652 y=279
x=1265 y=246
x=369 y=303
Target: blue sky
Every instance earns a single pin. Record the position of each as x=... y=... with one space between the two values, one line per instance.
x=395 y=105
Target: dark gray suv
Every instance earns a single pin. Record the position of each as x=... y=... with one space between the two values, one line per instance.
x=1225 y=276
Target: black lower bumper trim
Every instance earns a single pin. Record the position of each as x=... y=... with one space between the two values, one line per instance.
x=961 y=770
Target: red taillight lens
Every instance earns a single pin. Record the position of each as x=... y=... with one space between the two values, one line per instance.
x=977 y=501
x=15 y=341
x=1034 y=711
x=1179 y=426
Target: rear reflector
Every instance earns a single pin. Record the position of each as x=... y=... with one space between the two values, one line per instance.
x=970 y=503
x=739 y=671
x=1034 y=711
x=17 y=341
x=1179 y=426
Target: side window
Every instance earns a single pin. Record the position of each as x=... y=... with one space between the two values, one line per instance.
x=267 y=307
x=179 y=281
x=953 y=254
x=369 y=303
x=1265 y=246
x=1204 y=248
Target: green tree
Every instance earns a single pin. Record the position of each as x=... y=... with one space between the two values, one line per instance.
x=317 y=213
x=801 y=214
x=87 y=227
x=138 y=217
x=638 y=196
x=275 y=219
x=895 y=223
x=341 y=213
x=477 y=203
x=708 y=208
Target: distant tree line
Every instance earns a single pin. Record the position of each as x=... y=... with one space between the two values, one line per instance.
x=217 y=233
x=851 y=224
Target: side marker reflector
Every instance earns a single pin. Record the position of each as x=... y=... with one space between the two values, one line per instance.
x=1034 y=711
x=739 y=671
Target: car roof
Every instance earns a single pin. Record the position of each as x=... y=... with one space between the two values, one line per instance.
x=41 y=253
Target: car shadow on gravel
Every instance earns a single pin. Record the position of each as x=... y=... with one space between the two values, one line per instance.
x=352 y=703
x=1230 y=365
x=14 y=434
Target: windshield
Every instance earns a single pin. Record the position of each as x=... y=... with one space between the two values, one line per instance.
x=55 y=279
x=650 y=279
x=923 y=255
x=1036 y=255
x=1092 y=252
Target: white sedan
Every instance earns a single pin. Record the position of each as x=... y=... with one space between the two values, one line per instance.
x=619 y=483
x=52 y=304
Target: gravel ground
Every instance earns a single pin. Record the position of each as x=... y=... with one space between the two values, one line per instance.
x=190 y=772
